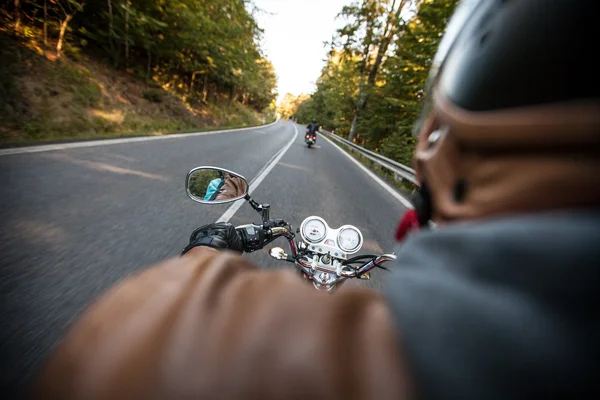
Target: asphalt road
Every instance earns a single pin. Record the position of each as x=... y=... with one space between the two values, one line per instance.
x=74 y=221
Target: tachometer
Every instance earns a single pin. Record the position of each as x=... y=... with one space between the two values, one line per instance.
x=349 y=239
x=314 y=230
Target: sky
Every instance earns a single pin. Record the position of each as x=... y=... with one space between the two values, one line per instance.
x=293 y=39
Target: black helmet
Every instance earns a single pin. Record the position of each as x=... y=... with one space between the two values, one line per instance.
x=509 y=102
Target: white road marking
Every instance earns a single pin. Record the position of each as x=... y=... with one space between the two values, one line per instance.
x=227 y=215
x=383 y=184
x=93 y=143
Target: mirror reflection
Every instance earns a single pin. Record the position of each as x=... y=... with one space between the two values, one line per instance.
x=215 y=185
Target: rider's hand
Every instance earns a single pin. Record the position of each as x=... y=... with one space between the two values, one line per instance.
x=220 y=236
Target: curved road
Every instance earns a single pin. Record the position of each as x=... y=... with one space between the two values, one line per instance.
x=75 y=220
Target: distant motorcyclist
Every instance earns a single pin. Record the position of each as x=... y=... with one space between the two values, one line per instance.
x=312 y=128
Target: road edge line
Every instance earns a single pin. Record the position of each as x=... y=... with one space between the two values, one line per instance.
x=105 y=142
x=405 y=202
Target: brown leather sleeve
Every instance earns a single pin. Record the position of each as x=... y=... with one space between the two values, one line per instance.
x=210 y=325
x=232 y=187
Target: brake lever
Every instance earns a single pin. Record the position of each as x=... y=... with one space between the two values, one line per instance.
x=376 y=262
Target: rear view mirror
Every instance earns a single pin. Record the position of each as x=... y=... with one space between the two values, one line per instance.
x=213 y=185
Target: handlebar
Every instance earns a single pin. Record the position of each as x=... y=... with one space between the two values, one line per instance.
x=255 y=237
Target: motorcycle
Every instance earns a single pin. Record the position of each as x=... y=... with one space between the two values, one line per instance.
x=324 y=256
x=310 y=139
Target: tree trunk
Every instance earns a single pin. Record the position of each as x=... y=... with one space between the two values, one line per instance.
x=127 y=36
x=361 y=101
x=110 y=30
x=360 y=106
x=192 y=79
x=388 y=35
x=61 y=34
x=390 y=30
x=17 y=15
x=45 y=25
x=205 y=88
x=148 y=73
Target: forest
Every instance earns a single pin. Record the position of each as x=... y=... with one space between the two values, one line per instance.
x=204 y=52
x=373 y=81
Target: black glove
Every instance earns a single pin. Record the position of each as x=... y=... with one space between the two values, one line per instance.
x=220 y=236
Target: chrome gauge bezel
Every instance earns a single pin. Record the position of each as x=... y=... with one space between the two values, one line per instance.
x=360 y=239
x=310 y=219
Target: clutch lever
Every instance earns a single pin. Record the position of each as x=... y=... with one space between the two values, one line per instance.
x=376 y=263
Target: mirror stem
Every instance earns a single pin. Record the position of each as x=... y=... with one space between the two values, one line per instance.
x=263 y=209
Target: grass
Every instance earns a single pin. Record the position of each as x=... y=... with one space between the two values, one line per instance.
x=46 y=100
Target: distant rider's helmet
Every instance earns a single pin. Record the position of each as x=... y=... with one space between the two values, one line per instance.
x=511 y=116
x=314 y=121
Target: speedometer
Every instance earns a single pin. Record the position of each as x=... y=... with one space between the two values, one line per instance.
x=349 y=239
x=314 y=230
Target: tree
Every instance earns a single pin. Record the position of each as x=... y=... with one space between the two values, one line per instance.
x=68 y=10
x=203 y=50
x=17 y=15
x=373 y=83
x=377 y=21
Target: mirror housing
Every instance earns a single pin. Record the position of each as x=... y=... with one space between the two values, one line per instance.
x=214 y=185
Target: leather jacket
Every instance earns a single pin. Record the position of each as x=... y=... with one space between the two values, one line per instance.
x=312 y=128
x=497 y=309
x=232 y=187
x=211 y=325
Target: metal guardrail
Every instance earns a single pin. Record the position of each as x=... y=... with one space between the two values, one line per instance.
x=399 y=169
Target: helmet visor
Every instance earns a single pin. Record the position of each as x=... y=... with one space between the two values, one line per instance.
x=464 y=10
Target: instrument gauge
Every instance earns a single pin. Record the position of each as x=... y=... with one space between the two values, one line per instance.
x=350 y=239
x=314 y=230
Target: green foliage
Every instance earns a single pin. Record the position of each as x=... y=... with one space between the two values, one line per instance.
x=392 y=103
x=289 y=105
x=200 y=180
x=201 y=49
x=333 y=102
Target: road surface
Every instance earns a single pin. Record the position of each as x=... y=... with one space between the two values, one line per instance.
x=75 y=220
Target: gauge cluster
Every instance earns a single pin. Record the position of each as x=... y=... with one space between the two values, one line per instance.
x=315 y=231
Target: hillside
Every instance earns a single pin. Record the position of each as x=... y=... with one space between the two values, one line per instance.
x=44 y=98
